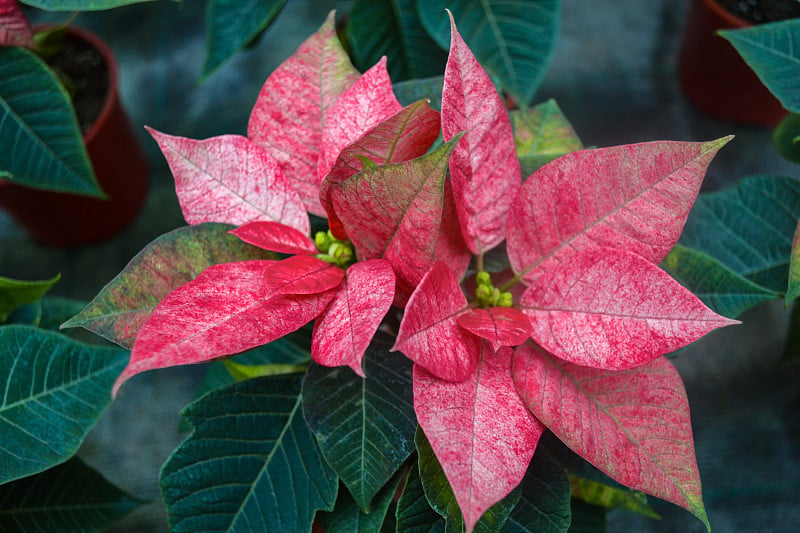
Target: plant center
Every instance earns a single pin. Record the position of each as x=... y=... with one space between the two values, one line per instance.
x=334 y=251
x=487 y=295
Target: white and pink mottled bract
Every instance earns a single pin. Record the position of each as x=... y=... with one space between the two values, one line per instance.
x=15 y=30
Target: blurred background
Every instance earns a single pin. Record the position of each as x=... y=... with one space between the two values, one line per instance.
x=614 y=76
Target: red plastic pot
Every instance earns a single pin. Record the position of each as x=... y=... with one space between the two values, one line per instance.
x=63 y=219
x=713 y=75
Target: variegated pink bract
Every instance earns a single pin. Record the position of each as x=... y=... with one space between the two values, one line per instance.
x=584 y=236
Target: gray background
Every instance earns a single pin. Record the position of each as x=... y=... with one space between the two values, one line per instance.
x=613 y=74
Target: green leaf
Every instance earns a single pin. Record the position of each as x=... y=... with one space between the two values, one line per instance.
x=720 y=288
x=611 y=497
x=54 y=389
x=72 y=497
x=793 y=287
x=544 y=506
x=392 y=28
x=175 y=258
x=440 y=494
x=414 y=513
x=429 y=89
x=587 y=518
x=513 y=41
x=786 y=138
x=251 y=462
x=347 y=516
x=365 y=427
x=81 y=5
x=37 y=119
x=14 y=293
x=232 y=24
x=542 y=134
x=773 y=52
x=55 y=310
x=748 y=228
x=242 y=372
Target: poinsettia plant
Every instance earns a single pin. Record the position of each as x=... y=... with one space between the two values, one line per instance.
x=461 y=315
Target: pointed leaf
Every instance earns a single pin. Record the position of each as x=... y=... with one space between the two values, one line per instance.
x=485 y=456
x=365 y=427
x=230 y=308
x=367 y=103
x=485 y=159
x=405 y=135
x=267 y=474
x=749 y=228
x=124 y=304
x=241 y=372
x=232 y=24
x=441 y=498
x=230 y=179
x=14 y=293
x=544 y=506
x=512 y=40
x=633 y=197
x=289 y=115
x=344 y=330
x=429 y=334
x=615 y=310
x=719 y=287
x=771 y=51
x=542 y=134
x=501 y=326
x=68 y=497
x=53 y=391
x=393 y=29
x=15 y=30
x=347 y=517
x=414 y=513
x=610 y=497
x=394 y=212
x=37 y=119
x=793 y=289
x=275 y=237
x=633 y=425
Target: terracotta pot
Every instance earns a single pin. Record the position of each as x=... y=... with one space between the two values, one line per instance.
x=714 y=76
x=63 y=219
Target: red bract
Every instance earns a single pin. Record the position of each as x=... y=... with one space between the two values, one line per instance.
x=585 y=234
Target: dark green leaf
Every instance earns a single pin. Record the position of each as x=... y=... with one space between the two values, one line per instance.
x=513 y=41
x=14 y=293
x=544 y=506
x=347 y=516
x=720 y=288
x=54 y=390
x=250 y=464
x=440 y=494
x=71 y=497
x=414 y=513
x=542 y=134
x=430 y=89
x=392 y=28
x=773 y=52
x=232 y=24
x=587 y=518
x=37 y=119
x=748 y=228
x=81 y=5
x=365 y=427
x=175 y=258
x=28 y=314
